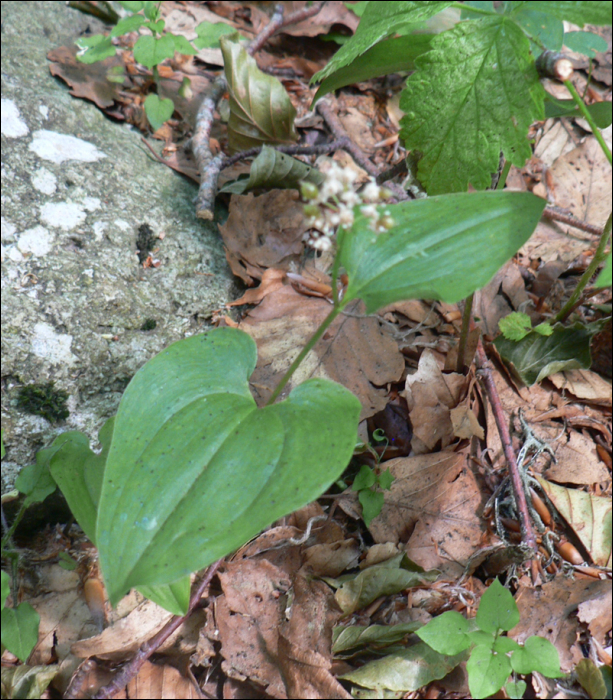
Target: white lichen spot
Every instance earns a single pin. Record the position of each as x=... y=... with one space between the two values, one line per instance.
x=99 y=228
x=52 y=346
x=12 y=125
x=44 y=111
x=8 y=230
x=65 y=215
x=37 y=241
x=121 y=224
x=58 y=148
x=44 y=181
x=14 y=255
x=91 y=203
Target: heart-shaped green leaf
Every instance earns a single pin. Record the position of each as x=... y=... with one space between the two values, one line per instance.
x=271 y=170
x=158 y=111
x=440 y=248
x=260 y=109
x=195 y=468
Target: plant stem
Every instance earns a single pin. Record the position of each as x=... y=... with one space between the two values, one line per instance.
x=303 y=353
x=588 y=117
x=502 y=180
x=468 y=307
x=599 y=257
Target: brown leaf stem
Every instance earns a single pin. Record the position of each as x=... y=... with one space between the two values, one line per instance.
x=132 y=668
x=563 y=217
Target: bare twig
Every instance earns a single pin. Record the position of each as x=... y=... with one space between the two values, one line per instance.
x=290 y=150
x=485 y=371
x=276 y=21
x=339 y=133
x=571 y=220
x=150 y=647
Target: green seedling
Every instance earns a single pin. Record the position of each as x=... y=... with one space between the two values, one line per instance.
x=495 y=659
x=370 y=483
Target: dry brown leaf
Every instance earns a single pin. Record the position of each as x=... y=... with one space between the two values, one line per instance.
x=333 y=12
x=272 y=279
x=263 y=232
x=353 y=351
x=577 y=462
x=504 y=294
x=332 y=559
x=430 y=395
x=433 y=507
x=550 y=612
x=596 y=612
x=465 y=423
x=155 y=681
x=584 y=384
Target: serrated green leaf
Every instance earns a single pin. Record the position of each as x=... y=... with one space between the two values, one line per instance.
x=406 y=670
x=158 y=111
x=271 y=170
x=440 y=248
x=260 y=109
x=543 y=328
x=6 y=587
x=380 y=20
x=127 y=24
x=580 y=13
x=150 y=51
x=497 y=609
x=536 y=356
x=209 y=34
x=447 y=633
x=195 y=469
x=492 y=95
x=384 y=58
x=372 y=504
x=537 y=654
x=487 y=671
x=356 y=637
x=515 y=326
x=544 y=28
x=182 y=45
x=20 y=630
x=604 y=278
x=94 y=48
x=586 y=43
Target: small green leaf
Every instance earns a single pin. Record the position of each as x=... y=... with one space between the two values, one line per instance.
x=151 y=9
x=150 y=51
x=516 y=689
x=591 y=679
x=271 y=170
x=158 y=111
x=260 y=109
x=505 y=644
x=372 y=504
x=536 y=356
x=35 y=480
x=133 y=6
x=127 y=24
x=537 y=654
x=487 y=671
x=365 y=478
x=385 y=480
x=380 y=20
x=158 y=27
x=441 y=247
x=94 y=48
x=66 y=561
x=195 y=469
x=405 y=670
x=586 y=43
x=357 y=637
x=209 y=34
x=447 y=633
x=356 y=7
x=515 y=326
x=604 y=278
x=497 y=610
x=173 y=597
x=492 y=96
x=543 y=328
x=6 y=588
x=20 y=630
x=183 y=46
x=481 y=638
x=390 y=56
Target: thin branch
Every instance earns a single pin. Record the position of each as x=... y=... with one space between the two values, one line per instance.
x=276 y=21
x=150 y=647
x=571 y=220
x=290 y=150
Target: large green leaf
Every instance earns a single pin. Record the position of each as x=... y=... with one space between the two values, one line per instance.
x=195 y=468
x=441 y=248
x=585 y=12
x=271 y=170
x=380 y=20
x=474 y=94
x=260 y=109
x=384 y=58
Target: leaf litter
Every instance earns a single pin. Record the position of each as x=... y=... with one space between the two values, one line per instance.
x=277 y=606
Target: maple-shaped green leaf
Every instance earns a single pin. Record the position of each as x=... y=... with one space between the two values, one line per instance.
x=580 y=13
x=380 y=20
x=260 y=109
x=474 y=94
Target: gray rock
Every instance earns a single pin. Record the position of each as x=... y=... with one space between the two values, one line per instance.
x=76 y=190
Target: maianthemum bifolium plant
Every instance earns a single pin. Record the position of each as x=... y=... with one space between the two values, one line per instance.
x=190 y=468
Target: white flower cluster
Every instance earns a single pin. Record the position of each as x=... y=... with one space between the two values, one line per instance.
x=331 y=206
